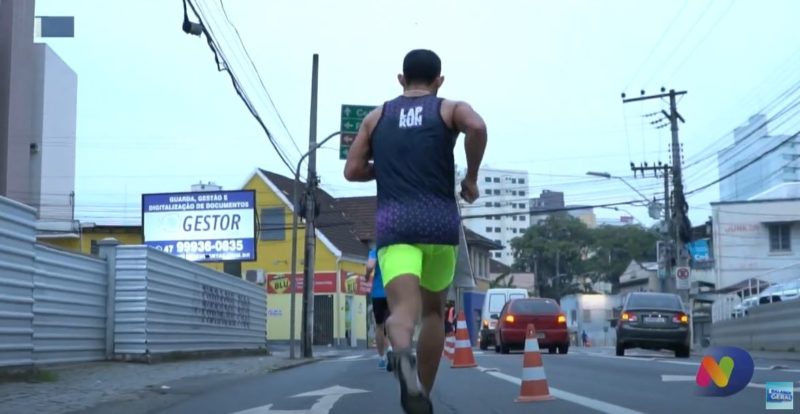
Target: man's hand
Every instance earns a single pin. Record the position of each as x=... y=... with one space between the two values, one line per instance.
x=469 y=190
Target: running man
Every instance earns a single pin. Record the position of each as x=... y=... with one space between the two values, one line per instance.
x=411 y=139
x=380 y=309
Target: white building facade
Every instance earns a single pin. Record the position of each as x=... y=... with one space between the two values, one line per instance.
x=757 y=239
x=502 y=209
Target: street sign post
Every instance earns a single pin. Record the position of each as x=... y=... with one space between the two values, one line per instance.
x=352 y=116
x=682 y=278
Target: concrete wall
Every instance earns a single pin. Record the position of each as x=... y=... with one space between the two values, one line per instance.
x=57 y=128
x=16 y=100
x=771 y=327
x=741 y=241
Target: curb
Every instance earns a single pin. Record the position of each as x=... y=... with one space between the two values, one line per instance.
x=291 y=365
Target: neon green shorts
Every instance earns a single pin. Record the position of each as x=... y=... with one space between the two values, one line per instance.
x=433 y=264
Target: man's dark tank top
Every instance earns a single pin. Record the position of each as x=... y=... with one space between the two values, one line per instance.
x=412 y=149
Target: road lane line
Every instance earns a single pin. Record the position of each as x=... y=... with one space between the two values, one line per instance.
x=596 y=405
x=676 y=378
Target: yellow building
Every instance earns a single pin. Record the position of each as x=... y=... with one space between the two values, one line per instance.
x=84 y=239
x=340 y=305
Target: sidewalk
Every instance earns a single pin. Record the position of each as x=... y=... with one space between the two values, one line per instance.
x=80 y=387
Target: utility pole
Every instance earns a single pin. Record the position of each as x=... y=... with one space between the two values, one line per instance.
x=681 y=226
x=311 y=184
x=666 y=250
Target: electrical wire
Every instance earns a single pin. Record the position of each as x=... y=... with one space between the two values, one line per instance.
x=223 y=65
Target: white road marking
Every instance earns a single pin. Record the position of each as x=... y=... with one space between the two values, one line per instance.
x=596 y=405
x=674 y=362
x=676 y=378
x=349 y=357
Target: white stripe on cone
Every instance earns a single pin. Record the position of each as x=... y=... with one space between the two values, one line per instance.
x=461 y=325
x=533 y=374
x=463 y=343
x=531 y=345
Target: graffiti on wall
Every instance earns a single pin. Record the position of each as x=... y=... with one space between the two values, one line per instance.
x=224 y=308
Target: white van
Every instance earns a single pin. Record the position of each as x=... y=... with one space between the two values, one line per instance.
x=493 y=303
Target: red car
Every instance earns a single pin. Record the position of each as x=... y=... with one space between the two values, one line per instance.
x=545 y=315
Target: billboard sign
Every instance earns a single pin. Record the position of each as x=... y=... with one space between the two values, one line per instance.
x=212 y=226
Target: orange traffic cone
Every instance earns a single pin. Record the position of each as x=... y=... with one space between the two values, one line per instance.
x=463 y=357
x=534 y=381
x=449 y=346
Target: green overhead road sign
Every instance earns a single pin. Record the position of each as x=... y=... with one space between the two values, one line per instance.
x=352 y=116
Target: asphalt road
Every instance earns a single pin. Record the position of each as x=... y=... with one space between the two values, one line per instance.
x=584 y=381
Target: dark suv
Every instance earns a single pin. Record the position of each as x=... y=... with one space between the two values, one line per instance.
x=653 y=321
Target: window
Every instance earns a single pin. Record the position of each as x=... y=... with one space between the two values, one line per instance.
x=95 y=249
x=513 y=181
x=780 y=237
x=488 y=192
x=497 y=229
x=654 y=301
x=535 y=307
x=522 y=206
x=497 y=255
x=273 y=226
x=488 y=229
x=513 y=193
x=522 y=193
x=488 y=204
x=488 y=179
x=496 y=179
x=497 y=204
x=587 y=316
x=496 y=192
x=498 y=242
x=497 y=217
x=233 y=268
x=522 y=181
x=515 y=218
x=513 y=230
x=496 y=302
x=521 y=218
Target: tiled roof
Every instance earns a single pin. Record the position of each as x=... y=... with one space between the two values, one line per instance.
x=331 y=221
x=498 y=267
x=361 y=210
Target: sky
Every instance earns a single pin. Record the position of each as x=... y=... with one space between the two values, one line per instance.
x=155 y=114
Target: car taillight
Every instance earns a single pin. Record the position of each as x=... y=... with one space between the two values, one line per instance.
x=510 y=318
x=562 y=319
x=681 y=318
x=628 y=317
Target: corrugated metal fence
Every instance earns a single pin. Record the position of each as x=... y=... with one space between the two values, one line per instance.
x=187 y=307
x=55 y=306
x=17 y=238
x=69 y=307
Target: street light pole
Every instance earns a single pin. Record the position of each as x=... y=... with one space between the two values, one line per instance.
x=609 y=176
x=295 y=202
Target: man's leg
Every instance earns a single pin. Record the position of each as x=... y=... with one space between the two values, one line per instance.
x=437 y=275
x=402 y=266
x=431 y=336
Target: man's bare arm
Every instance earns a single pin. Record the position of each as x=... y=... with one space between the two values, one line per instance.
x=358 y=167
x=466 y=120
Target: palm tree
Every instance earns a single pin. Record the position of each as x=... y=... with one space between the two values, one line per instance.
x=502 y=281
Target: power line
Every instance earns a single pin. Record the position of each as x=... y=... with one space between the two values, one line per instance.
x=258 y=75
x=751 y=162
x=222 y=65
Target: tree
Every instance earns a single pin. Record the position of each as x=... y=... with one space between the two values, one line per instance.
x=561 y=249
x=554 y=249
x=502 y=281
